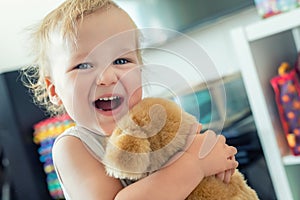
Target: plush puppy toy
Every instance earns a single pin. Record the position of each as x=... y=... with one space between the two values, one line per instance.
x=150 y=135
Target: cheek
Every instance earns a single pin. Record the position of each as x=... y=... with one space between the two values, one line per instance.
x=133 y=85
x=74 y=93
x=136 y=97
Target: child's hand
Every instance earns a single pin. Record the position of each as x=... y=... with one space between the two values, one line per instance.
x=214 y=155
x=226 y=175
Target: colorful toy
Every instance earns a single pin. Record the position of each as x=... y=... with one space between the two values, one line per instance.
x=45 y=133
x=268 y=8
x=286 y=86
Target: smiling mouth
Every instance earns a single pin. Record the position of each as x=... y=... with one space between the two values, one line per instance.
x=108 y=103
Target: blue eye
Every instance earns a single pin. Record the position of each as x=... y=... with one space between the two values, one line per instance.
x=83 y=66
x=120 y=61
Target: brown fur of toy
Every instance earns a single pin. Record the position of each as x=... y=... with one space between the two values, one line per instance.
x=152 y=133
x=213 y=189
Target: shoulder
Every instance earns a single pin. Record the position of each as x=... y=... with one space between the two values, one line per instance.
x=66 y=146
x=71 y=146
x=77 y=168
x=66 y=143
x=82 y=138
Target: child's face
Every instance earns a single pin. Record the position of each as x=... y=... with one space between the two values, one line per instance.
x=99 y=80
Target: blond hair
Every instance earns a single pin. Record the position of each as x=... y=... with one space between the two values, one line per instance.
x=64 y=20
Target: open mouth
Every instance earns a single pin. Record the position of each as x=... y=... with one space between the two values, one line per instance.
x=108 y=103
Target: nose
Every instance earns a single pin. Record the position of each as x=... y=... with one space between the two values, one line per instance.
x=107 y=77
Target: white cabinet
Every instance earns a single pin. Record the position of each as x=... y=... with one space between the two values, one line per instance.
x=260 y=48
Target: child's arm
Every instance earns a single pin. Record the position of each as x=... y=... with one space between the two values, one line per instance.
x=176 y=181
x=84 y=176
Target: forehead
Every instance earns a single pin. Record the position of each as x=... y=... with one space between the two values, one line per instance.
x=106 y=25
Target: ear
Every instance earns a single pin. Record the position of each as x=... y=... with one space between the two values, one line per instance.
x=53 y=96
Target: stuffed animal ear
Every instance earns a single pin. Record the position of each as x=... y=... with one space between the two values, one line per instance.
x=158 y=118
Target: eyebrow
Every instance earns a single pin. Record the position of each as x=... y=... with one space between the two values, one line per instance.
x=76 y=59
x=128 y=50
x=80 y=56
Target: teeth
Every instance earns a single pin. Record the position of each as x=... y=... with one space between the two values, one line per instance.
x=109 y=98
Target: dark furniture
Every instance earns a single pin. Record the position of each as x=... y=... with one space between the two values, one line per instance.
x=21 y=168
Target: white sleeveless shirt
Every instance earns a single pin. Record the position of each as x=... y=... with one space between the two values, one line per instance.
x=94 y=142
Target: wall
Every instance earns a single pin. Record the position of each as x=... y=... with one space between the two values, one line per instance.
x=186 y=54
x=19 y=14
x=215 y=40
x=16 y=16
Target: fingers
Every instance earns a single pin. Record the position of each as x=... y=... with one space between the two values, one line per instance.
x=224 y=176
x=218 y=154
x=233 y=165
x=211 y=140
x=227 y=176
x=220 y=176
x=232 y=150
x=228 y=173
x=199 y=128
x=233 y=169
